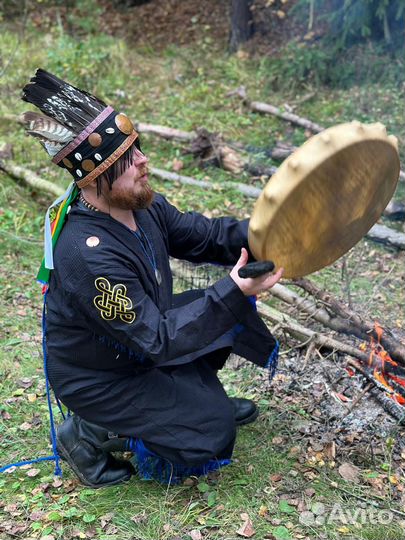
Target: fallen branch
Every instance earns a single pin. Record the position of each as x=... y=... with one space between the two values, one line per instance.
x=258 y=106
x=30 y=178
x=266 y=108
x=306 y=335
x=165 y=132
x=249 y=191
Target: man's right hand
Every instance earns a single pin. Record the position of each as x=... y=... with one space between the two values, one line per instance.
x=253 y=286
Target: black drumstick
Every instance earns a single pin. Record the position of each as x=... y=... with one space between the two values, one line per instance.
x=255 y=269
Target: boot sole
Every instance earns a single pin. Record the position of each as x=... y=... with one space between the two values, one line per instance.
x=65 y=456
x=248 y=419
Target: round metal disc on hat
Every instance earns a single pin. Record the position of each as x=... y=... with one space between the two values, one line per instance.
x=124 y=124
x=95 y=139
x=324 y=198
x=67 y=163
x=88 y=165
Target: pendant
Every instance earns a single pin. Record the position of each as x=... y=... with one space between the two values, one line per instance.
x=158 y=276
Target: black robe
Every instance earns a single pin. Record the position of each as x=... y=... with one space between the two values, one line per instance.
x=122 y=356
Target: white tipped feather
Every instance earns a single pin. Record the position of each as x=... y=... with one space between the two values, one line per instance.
x=53 y=135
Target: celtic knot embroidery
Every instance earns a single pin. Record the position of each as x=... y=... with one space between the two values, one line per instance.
x=113 y=302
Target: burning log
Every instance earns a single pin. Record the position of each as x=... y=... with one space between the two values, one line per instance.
x=352 y=322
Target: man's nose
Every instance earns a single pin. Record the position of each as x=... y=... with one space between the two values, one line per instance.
x=140 y=159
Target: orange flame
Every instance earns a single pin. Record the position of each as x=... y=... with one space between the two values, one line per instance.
x=379 y=357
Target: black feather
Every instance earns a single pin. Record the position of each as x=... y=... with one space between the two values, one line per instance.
x=72 y=107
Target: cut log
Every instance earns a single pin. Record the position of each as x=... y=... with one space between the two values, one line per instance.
x=165 y=132
x=395 y=211
x=258 y=106
x=30 y=178
x=249 y=191
x=387 y=236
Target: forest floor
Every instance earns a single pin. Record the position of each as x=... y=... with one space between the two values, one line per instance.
x=308 y=468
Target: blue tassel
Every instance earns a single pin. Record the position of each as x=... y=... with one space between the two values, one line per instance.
x=272 y=361
x=152 y=467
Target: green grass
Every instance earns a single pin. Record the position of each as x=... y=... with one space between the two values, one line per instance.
x=183 y=88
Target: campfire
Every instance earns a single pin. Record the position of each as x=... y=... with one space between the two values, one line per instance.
x=385 y=370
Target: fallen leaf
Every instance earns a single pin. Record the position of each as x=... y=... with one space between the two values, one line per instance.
x=349 y=472
x=25 y=426
x=277 y=440
x=246 y=530
x=139 y=518
x=104 y=520
x=276 y=477
x=33 y=472
x=195 y=534
x=330 y=450
x=263 y=511
x=57 y=482
x=25 y=382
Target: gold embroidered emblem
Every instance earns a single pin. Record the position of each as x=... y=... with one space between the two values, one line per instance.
x=113 y=302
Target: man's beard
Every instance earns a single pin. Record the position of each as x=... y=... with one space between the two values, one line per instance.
x=125 y=200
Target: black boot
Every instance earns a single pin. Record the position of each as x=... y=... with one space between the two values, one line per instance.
x=80 y=443
x=246 y=411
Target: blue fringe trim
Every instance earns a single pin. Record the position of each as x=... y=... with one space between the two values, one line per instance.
x=113 y=344
x=272 y=361
x=152 y=467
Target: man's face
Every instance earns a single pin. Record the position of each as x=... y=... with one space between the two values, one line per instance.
x=131 y=190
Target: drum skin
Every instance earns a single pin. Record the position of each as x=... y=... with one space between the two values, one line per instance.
x=325 y=197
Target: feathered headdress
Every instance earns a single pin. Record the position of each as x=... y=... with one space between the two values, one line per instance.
x=81 y=134
x=78 y=130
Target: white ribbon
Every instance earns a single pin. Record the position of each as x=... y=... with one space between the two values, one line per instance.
x=48 y=249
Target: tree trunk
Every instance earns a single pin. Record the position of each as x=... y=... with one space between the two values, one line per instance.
x=241 y=23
